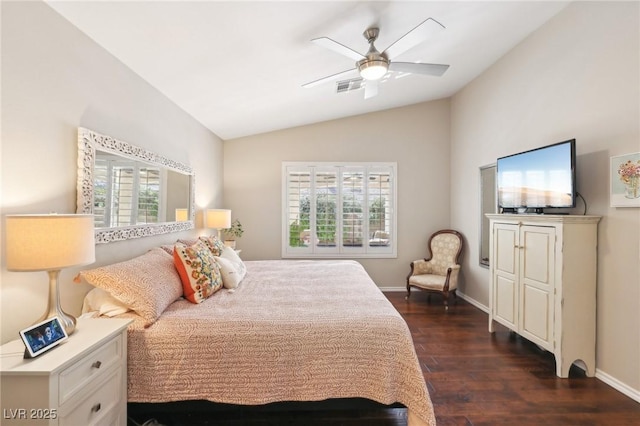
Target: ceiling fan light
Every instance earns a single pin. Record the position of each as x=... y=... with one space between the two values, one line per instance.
x=373 y=69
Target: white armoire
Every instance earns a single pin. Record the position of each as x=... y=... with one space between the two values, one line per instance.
x=543 y=283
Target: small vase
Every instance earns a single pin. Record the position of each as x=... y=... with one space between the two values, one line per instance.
x=632 y=187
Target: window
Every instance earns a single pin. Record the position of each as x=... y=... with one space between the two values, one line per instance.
x=125 y=193
x=339 y=210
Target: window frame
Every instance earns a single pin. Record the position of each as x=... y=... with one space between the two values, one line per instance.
x=339 y=250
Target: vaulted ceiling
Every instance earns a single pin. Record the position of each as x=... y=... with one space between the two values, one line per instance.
x=238 y=67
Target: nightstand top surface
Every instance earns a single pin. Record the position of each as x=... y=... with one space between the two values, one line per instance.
x=88 y=334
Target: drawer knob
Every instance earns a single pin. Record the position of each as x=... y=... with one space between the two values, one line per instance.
x=96 y=364
x=96 y=408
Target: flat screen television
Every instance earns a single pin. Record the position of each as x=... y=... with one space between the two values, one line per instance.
x=540 y=178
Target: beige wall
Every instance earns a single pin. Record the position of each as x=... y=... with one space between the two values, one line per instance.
x=416 y=137
x=578 y=76
x=575 y=77
x=55 y=79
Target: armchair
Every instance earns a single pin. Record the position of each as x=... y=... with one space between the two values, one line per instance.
x=438 y=273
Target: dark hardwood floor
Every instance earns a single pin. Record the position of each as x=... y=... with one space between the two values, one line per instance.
x=474 y=378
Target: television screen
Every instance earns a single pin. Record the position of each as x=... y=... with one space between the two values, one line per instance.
x=543 y=177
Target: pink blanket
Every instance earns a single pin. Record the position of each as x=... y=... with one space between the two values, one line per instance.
x=292 y=331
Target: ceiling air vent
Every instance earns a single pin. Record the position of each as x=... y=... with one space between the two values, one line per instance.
x=348 y=85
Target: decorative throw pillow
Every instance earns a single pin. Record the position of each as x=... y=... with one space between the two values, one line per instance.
x=230 y=276
x=168 y=248
x=198 y=270
x=230 y=254
x=187 y=242
x=147 y=283
x=214 y=243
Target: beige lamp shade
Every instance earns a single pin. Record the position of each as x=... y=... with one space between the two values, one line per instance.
x=218 y=218
x=49 y=241
x=182 y=215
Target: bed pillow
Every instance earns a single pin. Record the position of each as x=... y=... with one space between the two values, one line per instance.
x=230 y=254
x=198 y=270
x=98 y=300
x=187 y=242
x=148 y=284
x=214 y=243
x=230 y=276
x=168 y=248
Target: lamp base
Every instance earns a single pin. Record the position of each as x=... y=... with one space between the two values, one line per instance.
x=53 y=306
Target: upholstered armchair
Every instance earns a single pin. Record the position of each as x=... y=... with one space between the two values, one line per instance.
x=438 y=273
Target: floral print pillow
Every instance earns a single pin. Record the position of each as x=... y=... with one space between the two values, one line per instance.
x=198 y=270
x=214 y=243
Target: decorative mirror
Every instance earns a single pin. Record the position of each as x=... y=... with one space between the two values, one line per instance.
x=487 y=205
x=132 y=192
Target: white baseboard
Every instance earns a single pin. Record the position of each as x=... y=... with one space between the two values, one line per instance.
x=392 y=289
x=473 y=302
x=463 y=296
x=618 y=385
x=600 y=375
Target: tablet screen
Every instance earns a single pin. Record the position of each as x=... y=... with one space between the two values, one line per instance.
x=43 y=336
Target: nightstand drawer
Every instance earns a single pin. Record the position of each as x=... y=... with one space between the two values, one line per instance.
x=89 y=368
x=97 y=408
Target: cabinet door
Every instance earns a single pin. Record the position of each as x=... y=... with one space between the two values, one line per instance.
x=537 y=269
x=505 y=265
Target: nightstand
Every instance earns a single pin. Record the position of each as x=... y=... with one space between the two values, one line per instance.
x=83 y=381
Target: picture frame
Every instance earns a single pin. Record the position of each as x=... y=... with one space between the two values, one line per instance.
x=41 y=337
x=625 y=180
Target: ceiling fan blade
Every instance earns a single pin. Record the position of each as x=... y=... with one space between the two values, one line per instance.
x=370 y=89
x=327 y=78
x=416 y=36
x=338 y=48
x=413 y=68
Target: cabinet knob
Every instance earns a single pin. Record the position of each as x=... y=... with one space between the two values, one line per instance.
x=96 y=408
x=96 y=364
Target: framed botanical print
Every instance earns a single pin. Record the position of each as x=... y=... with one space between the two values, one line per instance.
x=625 y=180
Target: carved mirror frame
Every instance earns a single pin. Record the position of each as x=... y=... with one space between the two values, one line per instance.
x=90 y=141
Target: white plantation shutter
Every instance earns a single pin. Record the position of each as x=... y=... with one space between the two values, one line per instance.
x=325 y=197
x=339 y=210
x=353 y=212
x=148 y=195
x=296 y=213
x=125 y=193
x=122 y=201
x=379 y=194
x=101 y=189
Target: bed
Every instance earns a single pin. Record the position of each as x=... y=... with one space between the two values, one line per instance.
x=292 y=330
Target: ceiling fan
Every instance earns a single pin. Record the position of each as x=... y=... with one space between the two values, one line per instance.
x=375 y=65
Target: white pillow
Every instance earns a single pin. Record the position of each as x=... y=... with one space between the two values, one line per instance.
x=231 y=255
x=230 y=276
x=105 y=304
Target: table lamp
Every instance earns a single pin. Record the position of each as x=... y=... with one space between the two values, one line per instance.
x=50 y=242
x=182 y=215
x=218 y=219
